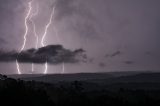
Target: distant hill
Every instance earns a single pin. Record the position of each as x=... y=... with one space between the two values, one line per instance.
x=52 y=78
x=110 y=77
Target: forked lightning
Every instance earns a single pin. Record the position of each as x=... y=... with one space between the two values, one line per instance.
x=25 y=34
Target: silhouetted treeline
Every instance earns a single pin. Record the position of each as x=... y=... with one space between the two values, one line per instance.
x=18 y=92
x=31 y=93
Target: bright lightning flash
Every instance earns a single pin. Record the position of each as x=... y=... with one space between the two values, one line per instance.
x=46 y=68
x=32 y=67
x=29 y=16
x=26 y=26
x=18 y=69
x=44 y=36
x=46 y=28
x=25 y=34
x=63 y=68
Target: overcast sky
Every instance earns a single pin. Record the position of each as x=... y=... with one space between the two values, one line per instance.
x=118 y=35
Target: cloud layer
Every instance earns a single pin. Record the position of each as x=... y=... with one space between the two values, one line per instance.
x=53 y=54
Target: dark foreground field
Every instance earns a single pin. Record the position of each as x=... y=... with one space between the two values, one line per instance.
x=90 y=89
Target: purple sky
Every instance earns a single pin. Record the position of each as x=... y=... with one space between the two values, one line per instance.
x=118 y=35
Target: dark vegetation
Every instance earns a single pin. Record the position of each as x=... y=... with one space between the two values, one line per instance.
x=117 y=91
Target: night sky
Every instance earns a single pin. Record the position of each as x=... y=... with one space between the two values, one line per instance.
x=116 y=35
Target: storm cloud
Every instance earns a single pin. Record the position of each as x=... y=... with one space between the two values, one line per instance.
x=53 y=54
x=121 y=34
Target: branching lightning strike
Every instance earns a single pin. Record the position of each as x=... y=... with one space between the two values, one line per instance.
x=46 y=28
x=25 y=34
x=44 y=36
x=26 y=26
x=29 y=16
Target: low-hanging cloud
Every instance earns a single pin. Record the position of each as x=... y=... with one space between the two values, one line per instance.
x=117 y=53
x=53 y=54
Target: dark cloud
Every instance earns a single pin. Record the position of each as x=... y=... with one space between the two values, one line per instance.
x=113 y=54
x=8 y=56
x=53 y=54
x=126 y=28
x=116 y=54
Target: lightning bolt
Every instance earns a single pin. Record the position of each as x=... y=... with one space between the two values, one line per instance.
x=63 y=68
x=29 y=16
x=26 y=26
x=32 y=67
x=46 y=27
x=25 y=34
x=46 y=68
x=18 y=69
x=34 y=31
x=44 y=36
